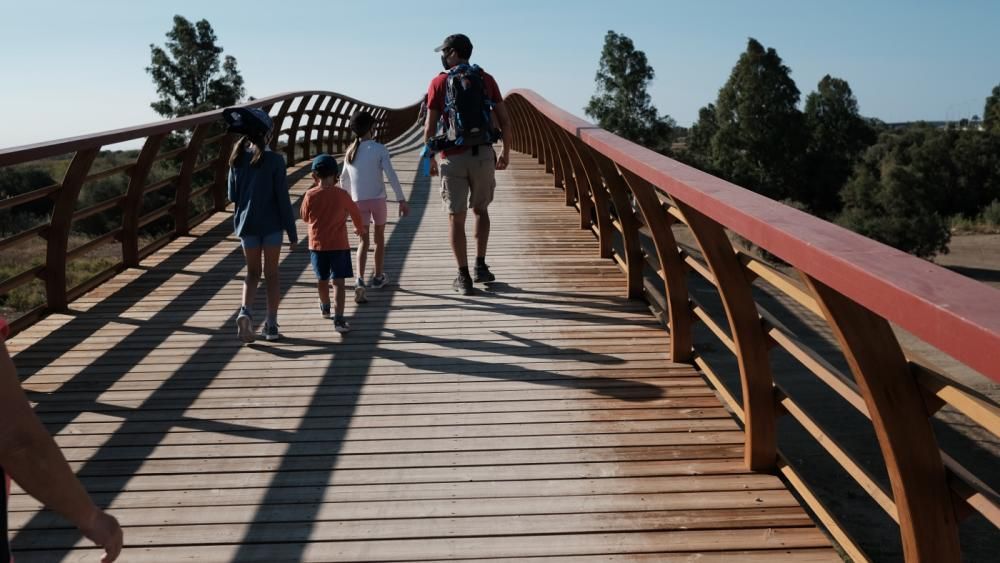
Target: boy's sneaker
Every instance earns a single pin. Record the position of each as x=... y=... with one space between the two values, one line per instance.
x=324 y=309
x=462 y=284
x=359 y=292
x=483 y=274
x=378 y=282
x=270 y=332
x=341 y=326
x=244 y=326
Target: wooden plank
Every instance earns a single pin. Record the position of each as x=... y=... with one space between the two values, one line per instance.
x=777 y=502
x=788 y=540
x=480 y=527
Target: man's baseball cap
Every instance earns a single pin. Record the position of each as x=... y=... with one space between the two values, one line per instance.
x=457 y=41
x=247 y=121
x=325 y=165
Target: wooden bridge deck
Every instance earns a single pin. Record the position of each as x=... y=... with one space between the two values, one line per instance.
x=540 y=418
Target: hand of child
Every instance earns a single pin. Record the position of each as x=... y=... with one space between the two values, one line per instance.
x=434 y=167
x=404 y=208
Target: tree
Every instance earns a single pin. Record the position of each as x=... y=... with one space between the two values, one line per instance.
x=760 y=137
x=186 y=71
x=621 y=104
x=838 y=135
x=901 y=193
x=991 y=113
x=699 y=141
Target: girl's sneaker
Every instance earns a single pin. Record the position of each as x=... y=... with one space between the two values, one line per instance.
x=379 y=281
x=341 y=326
x=324 y=309
x=244 y=326
x=270 y=332
x=359 y=292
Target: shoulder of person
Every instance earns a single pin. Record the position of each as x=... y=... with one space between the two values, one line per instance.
x=439 y=80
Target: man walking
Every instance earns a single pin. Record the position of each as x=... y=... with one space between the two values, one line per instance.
x=465 y=116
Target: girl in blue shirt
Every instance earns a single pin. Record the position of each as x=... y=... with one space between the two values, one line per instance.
x=259 y=188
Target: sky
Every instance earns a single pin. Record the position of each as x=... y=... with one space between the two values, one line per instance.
x=70 y=67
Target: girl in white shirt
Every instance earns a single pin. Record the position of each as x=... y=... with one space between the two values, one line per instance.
x=364 y=164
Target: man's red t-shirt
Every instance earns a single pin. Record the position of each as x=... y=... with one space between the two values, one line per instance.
x=436 y=95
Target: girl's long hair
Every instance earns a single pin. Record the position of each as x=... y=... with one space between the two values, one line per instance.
x=259 y=143
x=361 y=124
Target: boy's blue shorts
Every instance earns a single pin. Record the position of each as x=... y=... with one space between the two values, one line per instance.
x=331 y=264
x=257 y=241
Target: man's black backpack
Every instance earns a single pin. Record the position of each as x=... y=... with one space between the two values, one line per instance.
x=467 y=119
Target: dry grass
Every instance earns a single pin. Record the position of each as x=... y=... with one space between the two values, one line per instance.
x=31 y=253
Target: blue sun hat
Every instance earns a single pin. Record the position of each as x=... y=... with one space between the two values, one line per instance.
x=248 y=121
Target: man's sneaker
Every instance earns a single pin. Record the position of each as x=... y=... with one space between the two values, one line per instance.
x=244 y=326
x=341 y=326
x=324 y=309
x=270 y=332
x=462 y=284
x=360 y=295
x=483 y=274
x=378 y=282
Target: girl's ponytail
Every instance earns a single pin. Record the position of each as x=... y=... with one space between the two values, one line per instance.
x=361 y=124
x=238 y=148
x=241 y=145
x=352 y=151
x=261 y=146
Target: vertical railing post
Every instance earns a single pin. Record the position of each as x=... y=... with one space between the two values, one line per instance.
x=221 y=170
x=182 y=198
x=57 y=234
x=293 y=133
x=132 y=204
x=582 y=182
x=557 y=168
x=760 y=452
x=601 y=200
x=316 y=111
x=515 y=137
x=673 y=272
x=534 y=141
x=545 y=156
x=629 y=224
x=920 y=490
x=571 y=191
x=279 y=121
x=330 y=121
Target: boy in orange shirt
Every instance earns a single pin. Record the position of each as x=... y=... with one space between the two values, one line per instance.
x=325 y=208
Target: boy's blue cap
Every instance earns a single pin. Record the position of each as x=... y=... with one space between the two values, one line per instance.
x=325 y=165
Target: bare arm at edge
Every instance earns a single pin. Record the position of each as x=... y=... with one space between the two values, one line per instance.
x=33 y=460
x=508 y=131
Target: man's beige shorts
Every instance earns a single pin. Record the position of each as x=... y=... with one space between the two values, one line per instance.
x=468 y=180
